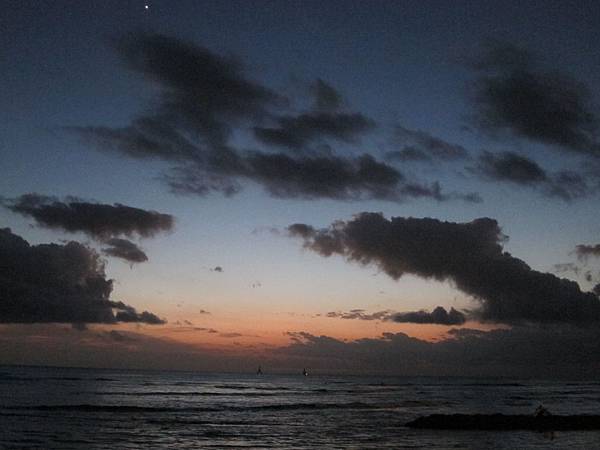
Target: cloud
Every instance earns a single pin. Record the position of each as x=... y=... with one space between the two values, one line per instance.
x=102 y=222
x=324 y=121
x=315 y=177
x=520 y=170
x=360 y=314
x=508 y=166
x=202 y=96
x=297 y=131
x=22 y=344
x=584 y=252
x=408 y=153
x=98 y=220
x=567 y=267
x=420 y=145
x=568 y=185
x=514 y=93
x=230 y=335
x=326 y=97
x=332 y=177
x=124 y=249
x=125 y=313
x=200 y=90
x=204 y=99
x=208 y=330
x=468 y=254
x=58 y=283
x=146 y=138
x=438 y=316
x=120 y=336
x=532 y=351
x=520 y=352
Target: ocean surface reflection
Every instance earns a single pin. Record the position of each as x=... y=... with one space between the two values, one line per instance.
x=54 y=408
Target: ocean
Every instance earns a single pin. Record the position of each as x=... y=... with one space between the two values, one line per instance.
x=67 y=408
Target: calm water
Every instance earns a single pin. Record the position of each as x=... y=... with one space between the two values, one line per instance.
x=115 y=409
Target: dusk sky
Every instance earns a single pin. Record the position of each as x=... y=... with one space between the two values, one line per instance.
x=405 y=187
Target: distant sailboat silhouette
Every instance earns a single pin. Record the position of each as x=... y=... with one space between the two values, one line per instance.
x=259 y=371
x=304 y=372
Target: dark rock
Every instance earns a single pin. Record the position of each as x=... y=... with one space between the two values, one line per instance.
x=506 y=422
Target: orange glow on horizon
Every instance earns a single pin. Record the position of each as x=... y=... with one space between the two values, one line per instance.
x=261 y=331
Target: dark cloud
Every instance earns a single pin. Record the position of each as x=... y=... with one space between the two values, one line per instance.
x=533 y=351
x=57 y=283
x=297 y=131
x=327 y=98
x=514 y=93
x=202 y=96
x=438 y=316
x=205 y=98
x=420 y=145
x=331 y=177
x=513 y=168
x=519 y=352
x=126 y=313
x=360 y=314
x=508 y=166
x=567 y=267
x=119 y=336
x=200 y=90
x=124 y=249
x=584 y=252
x=314 y=177
x=323 y=122
x=100 y=221
x=468 y=254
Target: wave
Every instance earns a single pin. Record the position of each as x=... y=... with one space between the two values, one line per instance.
x=8 y=377
x=108 y=408
x=268 y=393
x=186 y=394
x=162 y=409
x=243 y=387
x=351 y=405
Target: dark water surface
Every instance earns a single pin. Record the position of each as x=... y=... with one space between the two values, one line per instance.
x=54 y=408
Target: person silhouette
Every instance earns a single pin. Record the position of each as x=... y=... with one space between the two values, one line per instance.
x=541 y=411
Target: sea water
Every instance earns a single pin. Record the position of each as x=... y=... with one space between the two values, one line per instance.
x=65 y=408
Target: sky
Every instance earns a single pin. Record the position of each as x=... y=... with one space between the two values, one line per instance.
x=406 y=187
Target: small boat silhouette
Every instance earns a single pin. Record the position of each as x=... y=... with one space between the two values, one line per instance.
x=304 y=372
x=259 y=371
